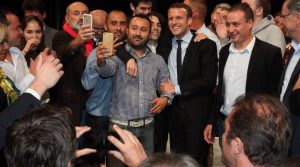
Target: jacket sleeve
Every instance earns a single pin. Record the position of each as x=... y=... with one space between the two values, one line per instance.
x=208 y=69
x=24 y=104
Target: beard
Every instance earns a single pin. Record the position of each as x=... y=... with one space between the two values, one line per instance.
x=138 y=46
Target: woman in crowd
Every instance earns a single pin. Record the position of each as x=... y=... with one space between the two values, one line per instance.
x=8 y=91
x=32 y=42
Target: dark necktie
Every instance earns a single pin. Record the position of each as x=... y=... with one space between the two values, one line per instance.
x=179 y=61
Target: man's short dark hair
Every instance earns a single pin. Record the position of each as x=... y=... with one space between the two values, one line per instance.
x=34 y=5
x=266 y=5
x=169 y=160
x=142 y=16
x=183 y=6
x=135 y=3
x=244 y=7
x=3 y=19
x=45 y=137
x=5 y=10
x=263 y=124
x=160 y=17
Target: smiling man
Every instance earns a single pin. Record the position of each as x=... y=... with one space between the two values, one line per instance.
x=247 y=65
x=193 y=68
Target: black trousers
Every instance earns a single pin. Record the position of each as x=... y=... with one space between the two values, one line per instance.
x=185 y=137
x=96 y=137
x=161 y=130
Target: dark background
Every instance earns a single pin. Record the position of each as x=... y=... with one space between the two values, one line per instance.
x=56 y=8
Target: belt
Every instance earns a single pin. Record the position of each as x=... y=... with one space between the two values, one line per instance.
x=133 y=122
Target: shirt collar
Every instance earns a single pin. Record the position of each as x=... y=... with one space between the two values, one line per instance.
x=295 y=45
x=131 y=50
x=14 y=51
x=248 y=48
x=185 y=39
x=202 y=29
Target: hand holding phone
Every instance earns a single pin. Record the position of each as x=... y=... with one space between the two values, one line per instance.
x=108 y=42
x=87 y=20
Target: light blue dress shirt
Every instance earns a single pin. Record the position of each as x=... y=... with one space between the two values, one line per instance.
x=172 y=60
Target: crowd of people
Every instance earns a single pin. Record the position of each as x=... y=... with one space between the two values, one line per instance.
x=68 y=100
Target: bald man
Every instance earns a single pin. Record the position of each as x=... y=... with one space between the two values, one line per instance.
x=73 y=44
x=99 y=23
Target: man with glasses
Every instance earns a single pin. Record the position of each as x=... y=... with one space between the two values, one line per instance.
x=99 y=23
x=291 y=19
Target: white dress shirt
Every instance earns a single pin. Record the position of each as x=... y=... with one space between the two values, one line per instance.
x=235 y=75
x=290 y=68
x=172 y=60
x=18 y=72
x=152 y=46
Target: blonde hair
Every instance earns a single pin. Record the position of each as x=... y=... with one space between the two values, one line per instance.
x=3 y=32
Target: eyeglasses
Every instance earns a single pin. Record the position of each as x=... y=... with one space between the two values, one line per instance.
x=283 y=16
x=99 y=29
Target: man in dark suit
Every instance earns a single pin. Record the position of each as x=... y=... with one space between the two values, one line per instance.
x=193 y=78
x=247 y=65
x=290 y=75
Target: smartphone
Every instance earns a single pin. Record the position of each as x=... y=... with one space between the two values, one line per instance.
x=108 y=42
x=87 y=20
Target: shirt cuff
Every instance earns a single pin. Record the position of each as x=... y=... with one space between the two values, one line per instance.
x=177 y=90
x=33 y=93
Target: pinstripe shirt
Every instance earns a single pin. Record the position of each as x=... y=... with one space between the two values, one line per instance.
x=132 y=96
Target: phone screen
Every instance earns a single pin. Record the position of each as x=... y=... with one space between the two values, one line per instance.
x=108 y=42
x=87 y=20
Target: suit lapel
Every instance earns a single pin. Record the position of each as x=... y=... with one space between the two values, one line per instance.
x=284 y=70
x=189 y=51
x=293 y=78
x=253 y=60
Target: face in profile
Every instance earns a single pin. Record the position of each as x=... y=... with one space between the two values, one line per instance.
x=33 y=31
x=290 y=21
x=138 y=33
x=155 y=28
x=14 y=32
x=227 y=152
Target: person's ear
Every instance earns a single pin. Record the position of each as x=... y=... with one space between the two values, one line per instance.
x=132 y=7
x=189 y=21
x=237 y=146
x=259 y=11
